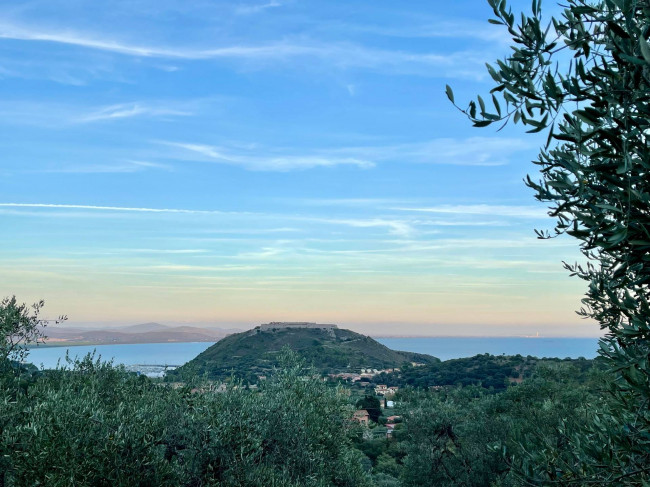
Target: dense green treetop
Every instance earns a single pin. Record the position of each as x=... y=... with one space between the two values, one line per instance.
x=370 y=404
x=96 y=425
x=494 y=372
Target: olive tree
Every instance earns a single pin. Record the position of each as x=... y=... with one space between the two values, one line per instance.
x=92 y=424
x=584 y=80
x=20 y=325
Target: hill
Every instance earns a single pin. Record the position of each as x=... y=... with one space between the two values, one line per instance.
x=144 y=333
x=327 y=347
x=488 y=371
x=143 y=328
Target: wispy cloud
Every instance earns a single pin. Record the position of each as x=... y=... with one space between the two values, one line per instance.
x=260 y=7
x=471 y=151
x=15 y=32
x=466 y=64
x=345 y=202
x=484 y=209
x=128 y=166
x=160 y=251
x=459 y=223
x=183 y=267
x=268 y=162
x=395 y=227
x=67 y=115
x=128 y=110
x=433 y=28
x=111 y=208
x=474 y=151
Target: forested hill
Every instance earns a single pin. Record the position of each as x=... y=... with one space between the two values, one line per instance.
x=255 y=352
x=488 y=371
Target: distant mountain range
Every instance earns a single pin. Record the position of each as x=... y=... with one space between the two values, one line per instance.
x=142 y=333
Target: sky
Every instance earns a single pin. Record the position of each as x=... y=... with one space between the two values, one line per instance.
x=240 y=162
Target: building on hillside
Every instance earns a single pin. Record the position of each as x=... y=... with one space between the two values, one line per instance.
x=361 y=416
x=345 y=376
x=392 y=419
x=289 y=325
x=384 y=390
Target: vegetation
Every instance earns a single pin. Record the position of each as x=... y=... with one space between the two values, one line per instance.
x=97 y=425
x=93 y=424
x=487 y=371
x=456 y=436
x=372 y=405
x=250 y=354
x=584 y=78
x=20 y=324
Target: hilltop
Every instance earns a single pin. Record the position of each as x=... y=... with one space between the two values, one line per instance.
x=327 y=347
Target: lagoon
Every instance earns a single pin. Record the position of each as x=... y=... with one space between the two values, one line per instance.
x=159 y=354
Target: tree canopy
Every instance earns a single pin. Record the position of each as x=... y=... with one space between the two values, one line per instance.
x=584 y=80
x=20 y=324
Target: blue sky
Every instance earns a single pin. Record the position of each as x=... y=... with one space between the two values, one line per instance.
x=243 y=162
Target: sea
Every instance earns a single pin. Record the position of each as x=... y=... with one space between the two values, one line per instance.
x=446 y=348
x=153 y=359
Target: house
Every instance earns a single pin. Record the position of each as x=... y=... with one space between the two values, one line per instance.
x=389 y=430
x=361 y=416
x=345 y=376
x=384 y=390
x=392 y=419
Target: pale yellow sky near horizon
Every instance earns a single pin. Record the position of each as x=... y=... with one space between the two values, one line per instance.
x=421 y=307
x=485 y=286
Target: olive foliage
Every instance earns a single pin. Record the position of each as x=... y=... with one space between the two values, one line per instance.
x=94 y=424
x=20 y=325
x=584 y=79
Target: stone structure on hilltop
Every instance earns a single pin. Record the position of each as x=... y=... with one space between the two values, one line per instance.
x=291 y=325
